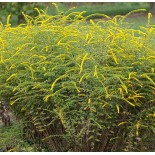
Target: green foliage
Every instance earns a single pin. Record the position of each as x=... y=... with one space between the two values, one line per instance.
x=79 y=85
x=9 y=136
x=15 y=9
x=12 y=141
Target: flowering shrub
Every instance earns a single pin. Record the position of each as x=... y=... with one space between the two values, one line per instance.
x=79 y=85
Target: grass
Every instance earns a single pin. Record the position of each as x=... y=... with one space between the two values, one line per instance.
x=140 y=20
x=112 y=8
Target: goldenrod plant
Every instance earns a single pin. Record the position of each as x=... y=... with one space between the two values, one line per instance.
x=80 y=85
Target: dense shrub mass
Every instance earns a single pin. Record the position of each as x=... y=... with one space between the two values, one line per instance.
x=80 y=85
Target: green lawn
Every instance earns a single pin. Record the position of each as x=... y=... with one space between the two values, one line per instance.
x=141 y=20
x=117 y=8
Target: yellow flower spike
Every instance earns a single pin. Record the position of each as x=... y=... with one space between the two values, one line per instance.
x=93 y=109
x=89 y=100
x=14 y=89
x=8 y=21
x=122 y=123
x=82 y=62
x=115 y=20
x=95 y=72
x=104 y=105
x=81 y=78
x=121 y=92
x=46 y=48
x=124 y=87
x=118 y=110
x=37 y=11
x=152 y=70
x=92 y=22
x=151 y=29
x=103 y=76
x=57 y=79
x=13 y=66
x=10 y=77
x=56 y=6
x=106 y=92
x=44 y=68
x=1 y=43
x=145 y=75
x=137 y=129
x=23 y=109
x=131 y=73
x=149 y=18
x=151 y=115
x=90 y=38
x=87 y=36
x=32 y=48
x=76 y=87
x=114 y=57
x=85 y=108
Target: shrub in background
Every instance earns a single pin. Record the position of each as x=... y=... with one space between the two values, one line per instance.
x=16 y=8
x=77 y=84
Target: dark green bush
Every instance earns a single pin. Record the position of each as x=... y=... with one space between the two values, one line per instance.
x=15 y=9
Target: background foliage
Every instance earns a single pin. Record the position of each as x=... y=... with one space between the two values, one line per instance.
x=16 y=9
x=12 y=140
